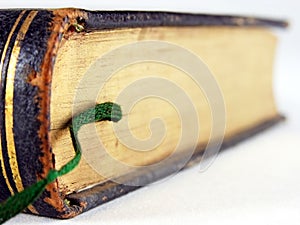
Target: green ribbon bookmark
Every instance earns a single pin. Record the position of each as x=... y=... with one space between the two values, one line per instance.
x=18 y=202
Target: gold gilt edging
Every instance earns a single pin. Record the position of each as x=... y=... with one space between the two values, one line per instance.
x=9 y=95
x=1 y=66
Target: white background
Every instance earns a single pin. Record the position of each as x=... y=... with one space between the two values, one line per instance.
x=255 y=182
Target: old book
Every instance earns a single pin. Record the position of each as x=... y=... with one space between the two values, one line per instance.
x=47 y=57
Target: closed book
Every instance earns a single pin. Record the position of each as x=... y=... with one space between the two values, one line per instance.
x=59 y=62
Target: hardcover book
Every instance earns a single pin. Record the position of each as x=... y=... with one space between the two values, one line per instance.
x=52 y=61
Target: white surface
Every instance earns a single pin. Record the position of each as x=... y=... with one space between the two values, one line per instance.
x=256 y=182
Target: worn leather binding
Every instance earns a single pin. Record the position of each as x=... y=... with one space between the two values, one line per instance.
x=29 y=40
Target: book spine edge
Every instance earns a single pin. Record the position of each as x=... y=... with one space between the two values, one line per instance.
x=29 y=43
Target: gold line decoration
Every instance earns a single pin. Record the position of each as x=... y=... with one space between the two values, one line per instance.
x=9 y=100
x=1 y=66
